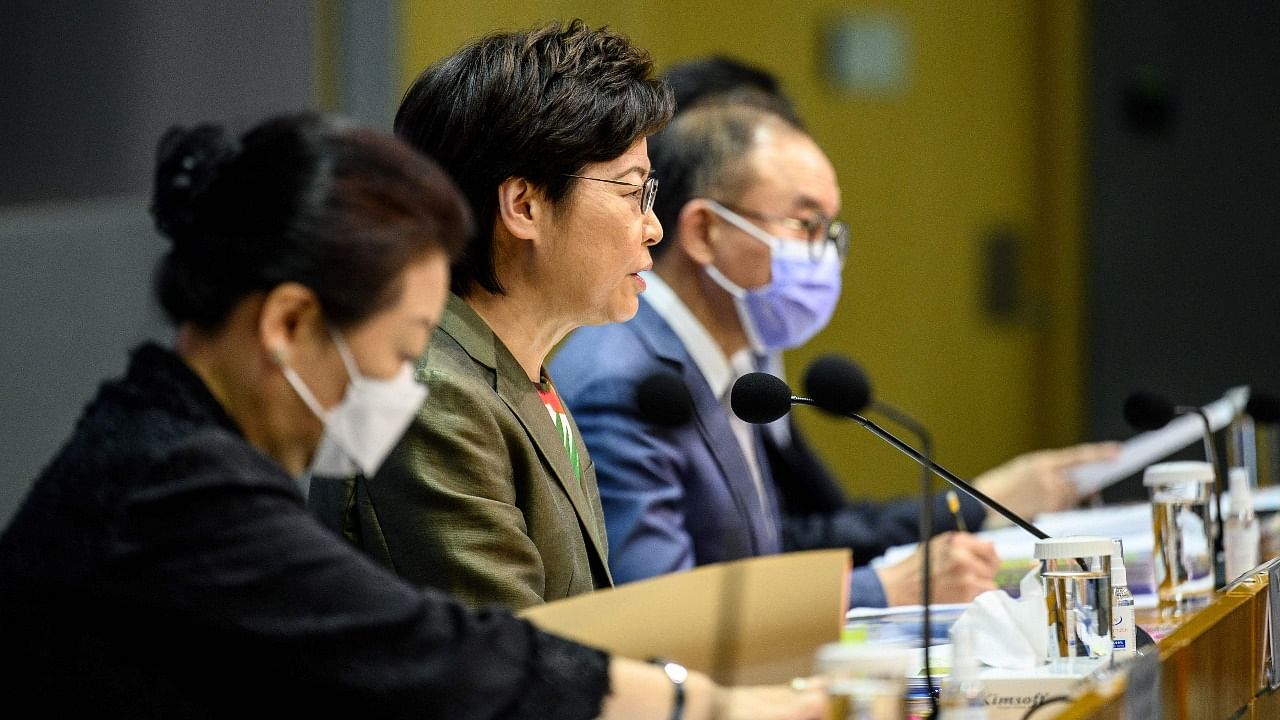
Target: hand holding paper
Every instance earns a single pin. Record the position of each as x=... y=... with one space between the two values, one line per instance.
x=1039 y=482
x=1143 y=449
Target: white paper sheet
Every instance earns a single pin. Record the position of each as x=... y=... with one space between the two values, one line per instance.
x=1146 y=448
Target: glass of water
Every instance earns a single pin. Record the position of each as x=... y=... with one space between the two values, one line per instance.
x=1076 y=574
x=865 y=681
x=1180 y=522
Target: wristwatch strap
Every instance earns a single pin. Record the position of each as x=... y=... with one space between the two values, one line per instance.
x=677 y=674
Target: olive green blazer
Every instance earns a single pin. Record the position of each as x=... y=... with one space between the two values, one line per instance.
x=479 y=498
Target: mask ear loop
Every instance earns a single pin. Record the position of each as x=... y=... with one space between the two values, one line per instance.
x=742 y=224
x=734 y=289
x=776 y=245
x=300 y=387
x=348 y=360
x=739 y=295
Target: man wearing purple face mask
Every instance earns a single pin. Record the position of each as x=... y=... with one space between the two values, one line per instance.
x=754 y=268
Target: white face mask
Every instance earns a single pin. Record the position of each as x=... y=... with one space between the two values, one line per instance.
x=361 y=430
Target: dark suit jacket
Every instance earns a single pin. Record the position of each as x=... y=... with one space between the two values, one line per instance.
x=479 y=498
x=674 y=497
x=161 y=566
x=818 y=515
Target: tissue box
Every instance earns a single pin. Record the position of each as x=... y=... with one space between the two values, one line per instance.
x=1010 y=693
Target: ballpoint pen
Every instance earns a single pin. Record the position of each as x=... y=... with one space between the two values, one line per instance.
x=953 y=503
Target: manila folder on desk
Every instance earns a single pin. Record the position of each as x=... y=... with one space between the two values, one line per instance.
x=751 y=621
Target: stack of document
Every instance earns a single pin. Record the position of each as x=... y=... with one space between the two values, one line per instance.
x=1131 y=523
x=902 y=625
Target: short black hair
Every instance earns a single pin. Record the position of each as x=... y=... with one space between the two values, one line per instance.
x=299 y=198
x=537 y=104
x=705 y=152
x=723 y=79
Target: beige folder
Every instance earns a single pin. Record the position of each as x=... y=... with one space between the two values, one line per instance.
x=750 y=621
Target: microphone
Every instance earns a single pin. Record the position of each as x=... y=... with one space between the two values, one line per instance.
x=663 y=399
x=1150 y=411
x=760 y=398
x=837 y=385
x=765 y=400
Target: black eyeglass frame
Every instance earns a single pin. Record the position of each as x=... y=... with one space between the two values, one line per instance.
x=817 y=230
x=648 y=189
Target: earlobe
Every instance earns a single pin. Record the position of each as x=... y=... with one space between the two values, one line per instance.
x=519 y=204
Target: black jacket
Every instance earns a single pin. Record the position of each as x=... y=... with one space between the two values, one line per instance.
x=163 y=567
x=816 y=513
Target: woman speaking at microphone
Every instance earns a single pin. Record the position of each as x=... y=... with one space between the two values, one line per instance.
x=491 y=496
x=164 y=564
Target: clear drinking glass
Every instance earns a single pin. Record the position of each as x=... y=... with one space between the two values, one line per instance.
x=1076 y=575
x=864 y=681
x=1180 y=521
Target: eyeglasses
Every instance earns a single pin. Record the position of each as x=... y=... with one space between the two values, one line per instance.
x=818 y=230
x=648 y=189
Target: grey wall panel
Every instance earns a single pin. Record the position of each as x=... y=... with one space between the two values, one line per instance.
x=1184 y=203
x=74 y=285
x=87 y=89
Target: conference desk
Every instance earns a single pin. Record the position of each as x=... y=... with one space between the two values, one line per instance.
x=1210 y=666
x=760 y=620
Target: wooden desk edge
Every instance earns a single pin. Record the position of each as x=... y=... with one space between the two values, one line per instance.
x=1109 y=702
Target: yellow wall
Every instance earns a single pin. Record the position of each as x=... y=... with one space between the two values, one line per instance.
x=986 y=134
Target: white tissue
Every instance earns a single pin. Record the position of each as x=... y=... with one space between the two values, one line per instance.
x=1009 y=633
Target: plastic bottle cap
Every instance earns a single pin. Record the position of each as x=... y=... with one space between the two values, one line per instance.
x=1178 y=472
x=1119 y=576
x=1074 y=546
x=1241 y=492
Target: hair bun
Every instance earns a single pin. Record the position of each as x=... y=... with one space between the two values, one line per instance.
x=188 y=160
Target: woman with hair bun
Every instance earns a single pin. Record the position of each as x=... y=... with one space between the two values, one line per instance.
x=164 y=564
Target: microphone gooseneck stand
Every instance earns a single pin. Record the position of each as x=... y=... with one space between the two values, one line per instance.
x=1150 y=411
x=937 y=469
x=1144 y=638
x=1219 y=473
x=926 y=533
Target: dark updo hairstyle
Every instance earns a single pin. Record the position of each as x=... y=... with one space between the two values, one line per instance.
x=538 y=105
x=300 y=198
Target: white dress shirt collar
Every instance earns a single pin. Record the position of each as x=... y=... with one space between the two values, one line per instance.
x=720 y=372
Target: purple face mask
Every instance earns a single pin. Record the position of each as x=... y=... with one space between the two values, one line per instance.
x=799 y=299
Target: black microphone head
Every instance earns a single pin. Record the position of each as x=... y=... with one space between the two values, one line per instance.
x=760 y=398
x=836 y=384
x=1263 y=408
x=1148 y=411
x=663 y=399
